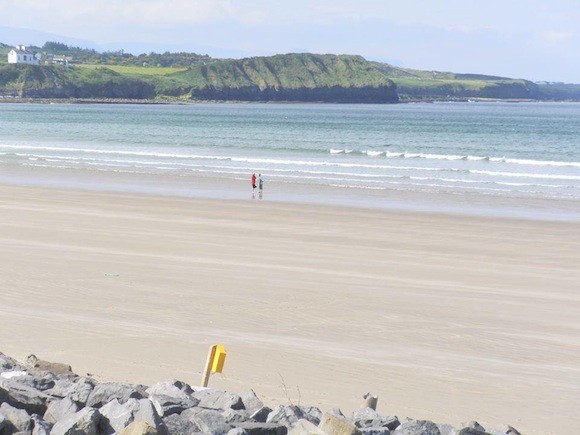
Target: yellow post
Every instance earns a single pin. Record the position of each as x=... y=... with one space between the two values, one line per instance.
x=215 y=362
x=208 y=364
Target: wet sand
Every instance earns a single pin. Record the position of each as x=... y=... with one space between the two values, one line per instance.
x=448 y=318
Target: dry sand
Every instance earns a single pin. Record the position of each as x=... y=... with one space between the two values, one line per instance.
x=446 y=318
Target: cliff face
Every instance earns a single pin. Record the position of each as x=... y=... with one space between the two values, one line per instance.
x=292 y=77
x=29 y=81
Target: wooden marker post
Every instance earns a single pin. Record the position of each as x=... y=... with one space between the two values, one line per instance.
x=215 y=362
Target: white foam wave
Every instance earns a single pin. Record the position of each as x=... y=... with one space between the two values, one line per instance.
x=432 y=156
x=525 y=175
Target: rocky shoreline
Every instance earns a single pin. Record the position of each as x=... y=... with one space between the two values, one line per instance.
x=40 y=398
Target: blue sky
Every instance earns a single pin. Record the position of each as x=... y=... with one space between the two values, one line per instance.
x=534 y=39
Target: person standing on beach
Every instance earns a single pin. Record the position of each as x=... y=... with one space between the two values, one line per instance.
x=260 y=186
x=253 y=181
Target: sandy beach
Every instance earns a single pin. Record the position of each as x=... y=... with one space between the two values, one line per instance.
x=447 y=318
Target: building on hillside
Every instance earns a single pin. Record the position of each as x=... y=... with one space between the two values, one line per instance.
x=20 y=54
x=61 y=60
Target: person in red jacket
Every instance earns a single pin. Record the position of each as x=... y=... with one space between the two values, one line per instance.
x=253 y=180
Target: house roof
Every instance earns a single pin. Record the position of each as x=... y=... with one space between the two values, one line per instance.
x=19 y=51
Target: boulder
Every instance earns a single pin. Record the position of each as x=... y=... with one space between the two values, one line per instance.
x=7 y=363
x=263 y=428
x=367 y=417
x=23 y=396
x=208 y=421
x=15 y=420
x=81 y=390
x=56 y=368
x=287 y=415
x=107 y=391
x=173 y=404
x=511 y=431
x=216 y=399
x=376 y=431
x=236 y=416
x=170 y=388
x=312 y=413
x=333 y=425
x=83 y=422
x=179 y=425
x=40 y=380
x=40 y=426
x=446 y=429
x=237 y=431
x=61 y=388
x=117 y=415
x=417 y=427
x=251 y=401
x=475 y=426
x=304 y=427
x=59 y=409
x=471 y=431
x=139 y=428
x=261 y=415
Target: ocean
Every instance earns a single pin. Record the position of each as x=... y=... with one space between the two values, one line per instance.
x=512 y=151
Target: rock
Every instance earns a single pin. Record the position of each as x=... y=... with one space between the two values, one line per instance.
x=41 y=380
x=446 y=429
x=139 y=428
x=261 y=415
x=368 y=417
x=313 y=414
x=7 y=363
x=236 y=416
x=61 y=388
x=117 y=415
x=251 y=401
x=59 y=409
x=304 y=427
x=81 y=390
x=237 y=431
x=511 y=431
x=471 y=431
x=40 y=426
x=417 y=427
x=15 y=419
x=56 y=368
x=290 y=415
x=170 y=388
x=174 y=404
x=83 y=422
x=331 y=424
x=216 y=399
x=475 y=426
x=376 y=431
x=3 y=422
x=23 y=396
x=107 y=391
x=263 y=428
x=207 y=420
x=179 y=425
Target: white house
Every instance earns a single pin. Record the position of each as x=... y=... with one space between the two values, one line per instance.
x=20 y=54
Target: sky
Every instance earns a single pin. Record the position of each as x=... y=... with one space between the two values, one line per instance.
x=533 y=39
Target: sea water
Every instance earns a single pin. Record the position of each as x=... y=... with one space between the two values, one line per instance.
x=523 y=150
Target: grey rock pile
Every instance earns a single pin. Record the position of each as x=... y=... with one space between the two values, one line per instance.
x=41 y=398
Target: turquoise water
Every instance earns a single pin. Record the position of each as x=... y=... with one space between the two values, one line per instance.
x=525 y=149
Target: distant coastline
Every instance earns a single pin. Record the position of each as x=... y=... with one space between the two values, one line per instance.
x=87 y=75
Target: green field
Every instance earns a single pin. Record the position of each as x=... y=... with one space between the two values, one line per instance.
x=138 y=70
